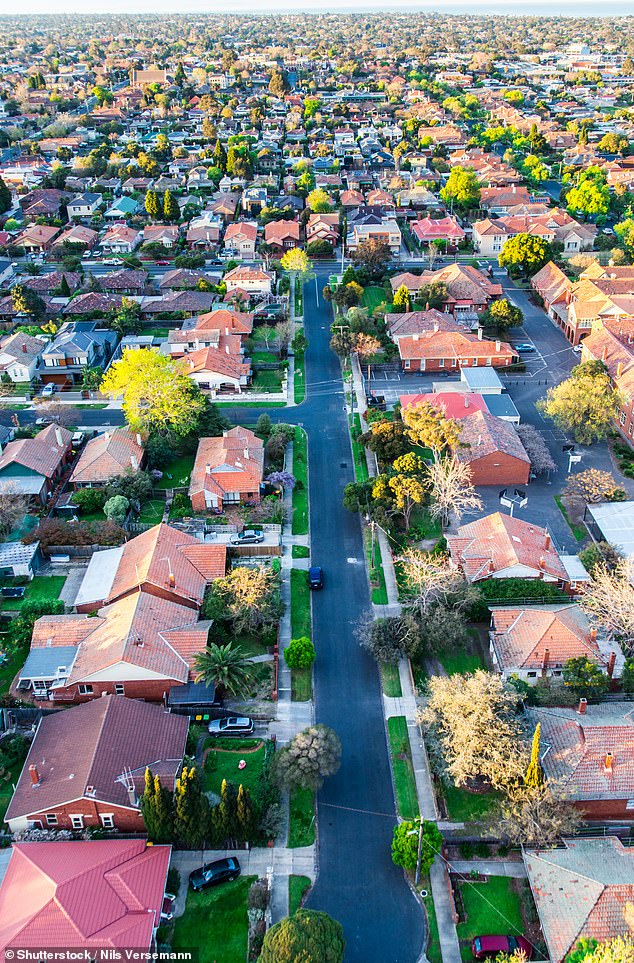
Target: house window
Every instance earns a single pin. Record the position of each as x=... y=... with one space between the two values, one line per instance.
x=84 y=689
x=51 y=819
x=107 y=820
x=119 y=688
x=77 y=822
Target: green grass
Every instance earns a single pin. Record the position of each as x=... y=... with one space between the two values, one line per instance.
x=579 y=531
x=433 y=942
x=300 y=491
x=215 y=923
x=464 y=806
x=222 y=764
x=41 y=589
x=358 y=451
x=298 y=886
x=390 y=680
x=177 y=472
x=299 y=386
x=300 y=551
x=492 y=907
x=402 y=768
x=372 y=297
x=152 y=512
x=301 y=830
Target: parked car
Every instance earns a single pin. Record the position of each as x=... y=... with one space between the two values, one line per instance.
x=231 y=726
x=211 y=874
x=315 y=577
x=525 y=347
x=484 y=947
x=248 y=537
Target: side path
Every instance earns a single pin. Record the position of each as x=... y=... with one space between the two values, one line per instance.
x=407 y=706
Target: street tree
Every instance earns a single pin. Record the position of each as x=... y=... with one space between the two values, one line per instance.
x=534 y=773
x=532 y=816
x=405 y=844
x=428 y=426
x=248 y=597
x=226 y=667
x=390 y=639
x=609 y=601
x=157 y=394
x=308 y=936
x=584 y=404
x=525 y=254
x=474 y=729
x=451 y=490
x=462 y=189
x=311 y=756
x=373 y=255
x=502 y=315
x=542 y=462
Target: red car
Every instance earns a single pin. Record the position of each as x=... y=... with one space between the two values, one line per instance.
x=484 y=947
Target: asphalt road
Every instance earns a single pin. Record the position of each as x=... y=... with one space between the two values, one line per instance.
x=357 y=883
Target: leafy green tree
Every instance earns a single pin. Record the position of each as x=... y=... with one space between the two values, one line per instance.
x=405 y=844
x=585 y=677
x=534 y=773
x=152 y=204
x=525 y=253
x=310 y=756
x=502 y=315
x=584 y=404
x=462 y=189
x=190 y=809
x=300 y=653
x=309 y=936
x=226 y=667
x=171 y=210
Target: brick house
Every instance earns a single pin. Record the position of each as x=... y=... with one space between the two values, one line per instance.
x=493 y=451
x=227 y=470
x=108 y=456
x=98 y=780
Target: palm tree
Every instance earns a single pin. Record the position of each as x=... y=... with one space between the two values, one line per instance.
x=225 y=666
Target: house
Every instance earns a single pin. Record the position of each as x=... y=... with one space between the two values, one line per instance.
x=240 y=238
x=96 y=780
x=78 y=345
x=37 y=237
x=161 y=562
x=33 y=466
x=108 y=456
x=536 y=642
x=19 y=356
x=250 y=280
x=227 y=471
x=120 y=239
x=282 y=235
x=105 y=895
x=323 y=227
x=374 y=228
x=429 y=230
x=84 y=205
x=493 y=451
x=583 y=889
x=499 y=546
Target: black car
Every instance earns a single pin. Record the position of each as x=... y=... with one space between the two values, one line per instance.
x=315 y=577
x=211 y=874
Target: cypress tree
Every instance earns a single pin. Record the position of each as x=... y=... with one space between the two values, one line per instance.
x=535 y=774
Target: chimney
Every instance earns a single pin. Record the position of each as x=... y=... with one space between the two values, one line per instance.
x=547 y=541
x=607 y=762
x=583 y=705
x=134 y=461
x=24 y=347
x=619 y=369
x=480 y=333
x=139 y=440
x=58 y=437
x=546 y=659
x=34 y=774
x=593 y=635
x=207 y=469
x=611 y=662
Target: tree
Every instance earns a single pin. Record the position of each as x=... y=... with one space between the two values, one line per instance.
x=474 y=729
x=390 y=639
x=116 y=509
x=451 y=490
x=372 y=255
x=300 y=654
x=171 y=210
x=462 y=189
x=584 y=404
x=525 y=254
x=533 y=817
x=248 y=597
x=502 y=315
x=152 y=204
x=535 y=774
x=308 y=936
x=609 y=600
x=405 y=843
x=428 y=426
x=585 y=678
x=401 y=299
x=5 y=197
x=227 y=667
x=542 y=461
x=157 y=394
x=190 y=809
x=157 y=809
x=311 y=756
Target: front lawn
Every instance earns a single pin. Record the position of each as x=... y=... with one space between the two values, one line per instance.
x=300 y=491
x=402 y=768
x=301 y=829
x=464 y=806
x=43 y=588
x=491 y=907
x=298 y=886
x=177 y=472
x=215 y=923
x=223 y=764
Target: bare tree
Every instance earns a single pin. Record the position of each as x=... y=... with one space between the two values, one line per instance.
x=473 y=728
x=534 y=816
x=451 y=490
x=609 y=600
x=536 y=448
